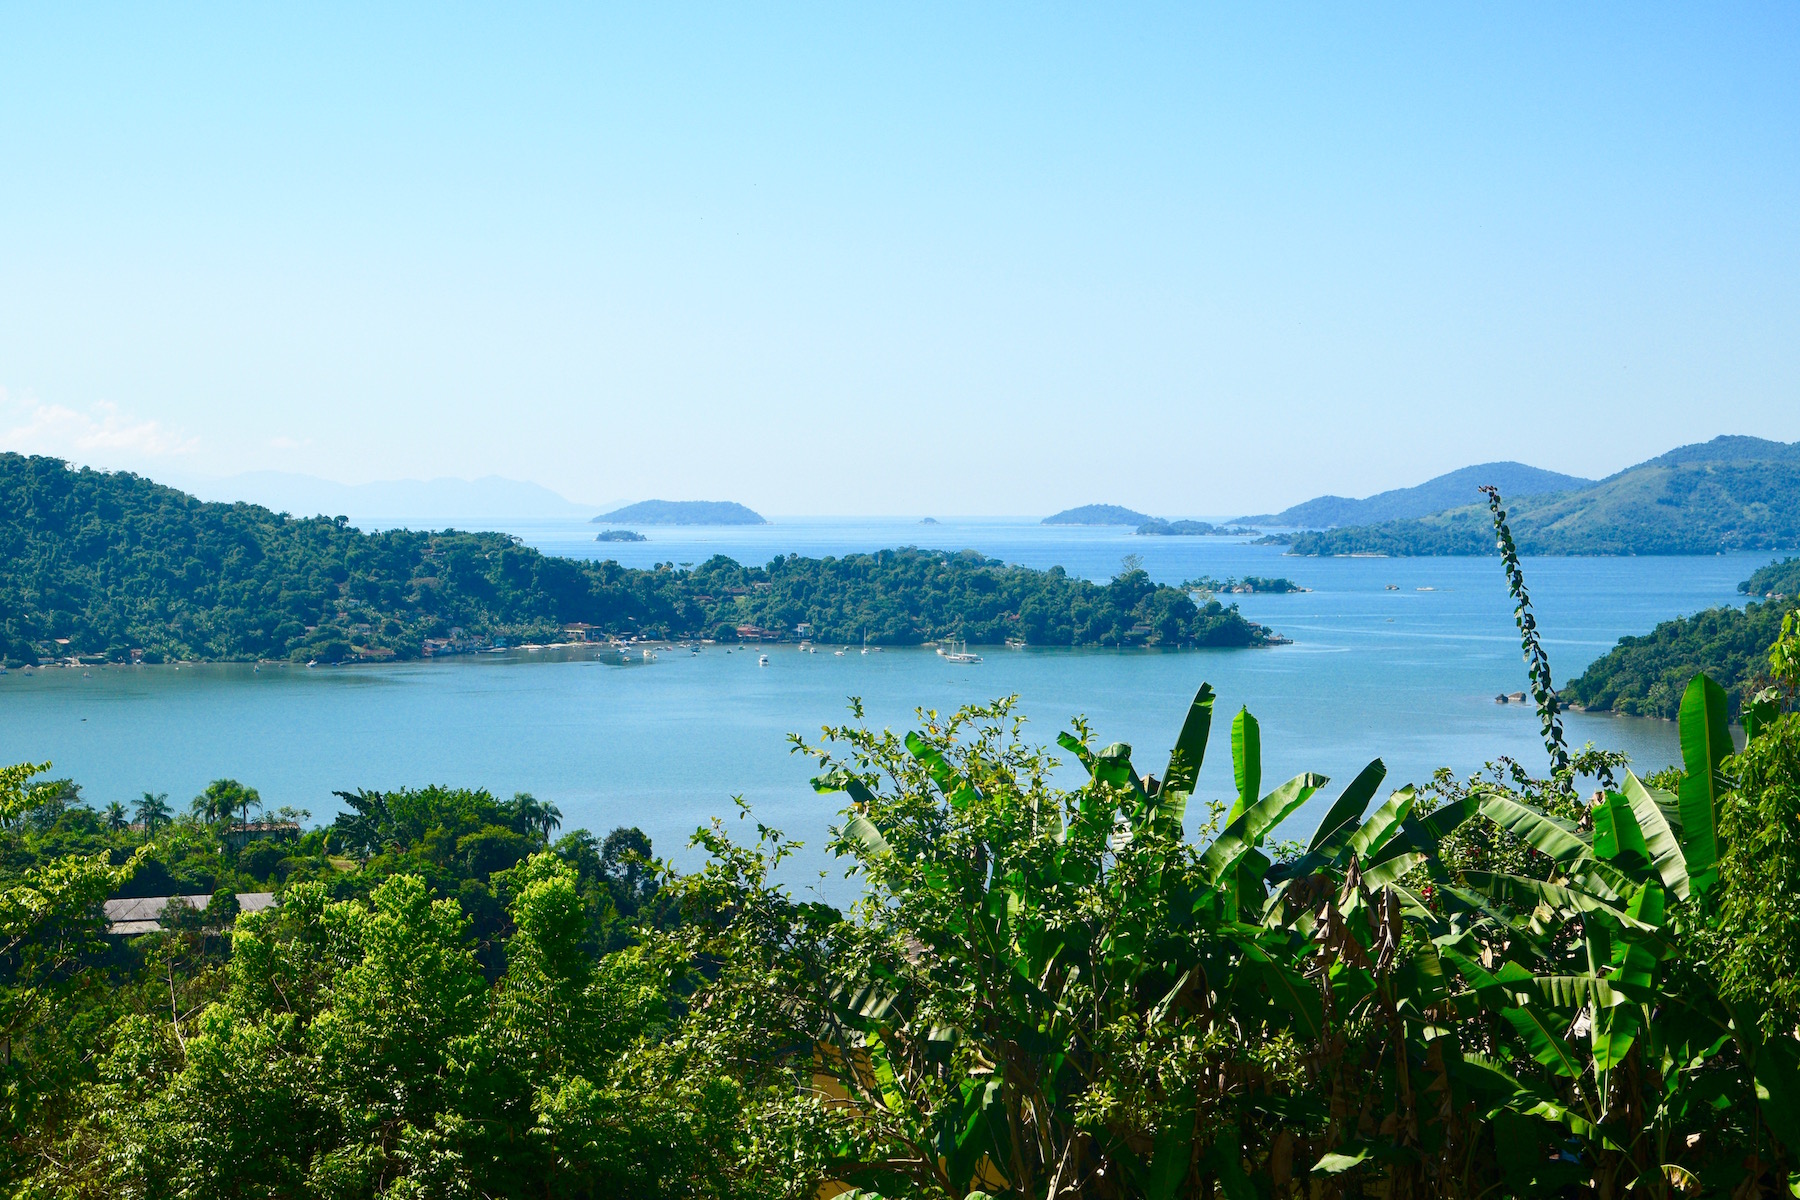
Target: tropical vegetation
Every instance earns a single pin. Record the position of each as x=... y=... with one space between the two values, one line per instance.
x=1573 y=983
x=1131 y=987
x=1779 y=579
x=113 y=567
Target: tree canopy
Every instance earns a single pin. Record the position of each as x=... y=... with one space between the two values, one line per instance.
x=101 y=564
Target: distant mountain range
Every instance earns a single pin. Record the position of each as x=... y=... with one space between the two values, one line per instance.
x=1434 y=495
x=682 y=512
x=1732 y=493
x=433 y=503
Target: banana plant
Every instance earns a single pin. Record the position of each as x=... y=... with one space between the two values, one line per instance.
x=1037 y=971
x=1615 y=1038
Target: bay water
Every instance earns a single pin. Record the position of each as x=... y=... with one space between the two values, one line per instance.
x=1393 y=658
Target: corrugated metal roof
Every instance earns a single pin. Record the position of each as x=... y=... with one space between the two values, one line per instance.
x=143 y=914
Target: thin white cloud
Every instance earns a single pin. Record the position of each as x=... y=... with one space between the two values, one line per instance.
x=284 y=442
x=30 y=426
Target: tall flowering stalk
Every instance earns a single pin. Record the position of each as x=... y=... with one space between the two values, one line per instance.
x=1536 y=661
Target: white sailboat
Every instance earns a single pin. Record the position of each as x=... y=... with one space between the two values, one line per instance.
x=959 y=653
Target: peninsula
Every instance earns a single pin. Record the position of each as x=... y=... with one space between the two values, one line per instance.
x=1645 y=676
x=111 y=567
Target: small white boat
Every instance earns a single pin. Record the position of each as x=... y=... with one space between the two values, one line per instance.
x=959 y=653
x=762 y=660
x=837 y=654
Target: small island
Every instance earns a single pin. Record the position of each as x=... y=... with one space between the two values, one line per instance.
x=682 y=512
x=620 y=535
x=1099 y=514
x=1249 y=585
x=929 y=521
x=1161 y=528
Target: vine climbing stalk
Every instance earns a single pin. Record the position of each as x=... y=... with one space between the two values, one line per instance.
x=1536 y=661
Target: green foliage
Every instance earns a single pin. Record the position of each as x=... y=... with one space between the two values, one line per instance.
x=1759 y=940
x=113 y=563
x=1131 y=987
x=1645 y=676
x=1777 y=579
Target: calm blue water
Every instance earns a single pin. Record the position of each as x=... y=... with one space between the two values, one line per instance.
x=1408 y=675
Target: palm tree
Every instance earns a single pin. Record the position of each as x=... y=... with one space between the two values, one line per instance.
x=153 y=811
x=224 y=798
x=116 y=816
x=536 y=816
x=247 y=800
x=549 y=818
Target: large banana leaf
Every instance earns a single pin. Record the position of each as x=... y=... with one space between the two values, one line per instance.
x=1190 y=745
x=1246 y=762
x=1535 y=1029
x=1705 y=742
x=1634 y=973
x=1617 y=836
x=1247 y=830
x=1537 y=830
x=1340 y=822
x=1374 y=833
x=862 y=831
x=1522 y=892
x=1649 y=807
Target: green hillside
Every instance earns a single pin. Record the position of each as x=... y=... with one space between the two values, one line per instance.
x=1689 y=507
x=1777 y=579
x=1645 y=676
x=1434 y=495
x=101 y=564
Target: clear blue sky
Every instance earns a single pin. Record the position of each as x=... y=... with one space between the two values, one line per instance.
x=912 y=258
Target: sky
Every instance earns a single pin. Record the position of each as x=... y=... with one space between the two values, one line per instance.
x=896 y=259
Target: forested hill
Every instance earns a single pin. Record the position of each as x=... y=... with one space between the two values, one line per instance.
x=113 y=562
x=1645 y=675
x=1779 y=579
x=1434 y=495
x=1697 y=506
